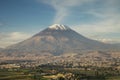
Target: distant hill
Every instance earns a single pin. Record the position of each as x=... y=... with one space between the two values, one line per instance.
x=118 y=44
x=1 y=49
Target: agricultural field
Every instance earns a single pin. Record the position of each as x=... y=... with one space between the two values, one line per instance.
x=19 y=74
x=57 y=74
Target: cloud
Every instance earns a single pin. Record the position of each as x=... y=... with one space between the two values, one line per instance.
x=106 y=22
x=7 y=39
x=107 y=40
x=63 y=7
x=104 y=31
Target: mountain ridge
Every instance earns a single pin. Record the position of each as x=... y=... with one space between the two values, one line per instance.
x=56 y=40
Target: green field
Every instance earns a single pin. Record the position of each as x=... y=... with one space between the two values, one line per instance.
x=19 y=74
x=36 y=74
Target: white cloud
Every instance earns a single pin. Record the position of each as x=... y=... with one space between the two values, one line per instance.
x=18 y=36
x=99 y=30
x=107 y=40
x=7 y=39
x=62 y=7
x=108 y=16
x=105 y=26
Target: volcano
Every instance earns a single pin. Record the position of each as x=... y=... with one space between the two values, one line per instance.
x=56 y=40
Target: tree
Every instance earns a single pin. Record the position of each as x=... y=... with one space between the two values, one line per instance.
x=61 y=78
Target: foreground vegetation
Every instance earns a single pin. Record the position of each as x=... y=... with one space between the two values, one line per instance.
x=52 y=72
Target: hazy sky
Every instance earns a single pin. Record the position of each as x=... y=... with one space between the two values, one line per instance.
x=96 y=19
